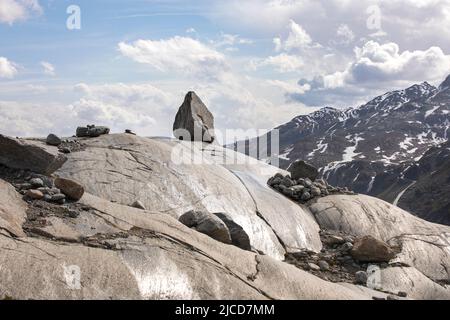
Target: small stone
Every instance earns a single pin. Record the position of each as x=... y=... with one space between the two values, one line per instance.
x=65 y=150
x=47 y=197
x=139 y=205
x=34 y=194
x=306 y=196
x=361 y=277
x=58 y=197
x=313 y=266
x=315 y=192
x=402 y=294
x=73 y=213
x=37 y=182
x=287 y=182
x=346 y=246
x=128 y=131
x=53 y=140
x=308 y=183
x=24 y=186
x=323 y=265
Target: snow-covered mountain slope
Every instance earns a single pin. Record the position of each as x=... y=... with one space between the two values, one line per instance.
x=368 y=148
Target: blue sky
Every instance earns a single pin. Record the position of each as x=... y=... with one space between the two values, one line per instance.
x=255 y=63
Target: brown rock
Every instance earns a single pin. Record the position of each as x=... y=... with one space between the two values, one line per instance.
x=70 y=188
x=34 y=194
x=370 y=249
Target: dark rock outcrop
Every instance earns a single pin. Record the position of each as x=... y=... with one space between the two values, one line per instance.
x=301 y=169
x=194 y=122
x=29 y=155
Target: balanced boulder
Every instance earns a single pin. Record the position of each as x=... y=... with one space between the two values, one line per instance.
x=370 y=249
x=208 y=224
x=194 y=122
x=301 y=169
x=70 y=188
x=30 y=155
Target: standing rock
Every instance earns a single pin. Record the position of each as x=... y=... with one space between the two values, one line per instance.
x=30 y=155
x=194 y=121
x=301 y=169
x=370 y=249
x=239 y=237
x=70 y=188
x=53 y=140
x=208 y=224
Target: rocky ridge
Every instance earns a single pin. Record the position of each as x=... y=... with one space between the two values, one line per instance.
x=277 y=248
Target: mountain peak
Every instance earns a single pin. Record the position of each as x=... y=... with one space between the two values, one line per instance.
x=445 y=84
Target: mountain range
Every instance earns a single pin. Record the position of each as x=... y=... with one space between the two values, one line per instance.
x=395 y=147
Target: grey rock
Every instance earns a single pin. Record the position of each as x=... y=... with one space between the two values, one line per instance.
x=37 y=182
x=208 y=224
x=194 y=122
x=53 y=140
x=324 y=266
x=306 y=196
x=315 y=192
x=402 y=294
x=301 y=169
x=361 y=277
x=287 y=182
x=346 y=247
x=58 y=197
x=307 y=183
x=239 y=237
x=30 y=155
x=313 y=266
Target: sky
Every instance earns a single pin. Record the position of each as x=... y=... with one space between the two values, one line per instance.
x=255 y=63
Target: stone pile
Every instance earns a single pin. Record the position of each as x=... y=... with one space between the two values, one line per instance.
x=339 y=260
x=39 y=187
x=304 y=189
x=92 y=131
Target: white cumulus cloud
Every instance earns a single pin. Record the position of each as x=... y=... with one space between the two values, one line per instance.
x=7 y=68
x=17 y=10
x=183 y=55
